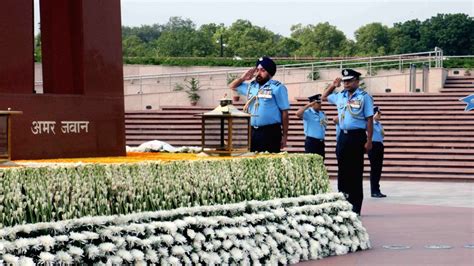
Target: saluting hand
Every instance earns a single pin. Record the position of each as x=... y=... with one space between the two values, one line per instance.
x=337 y=82
x=249 y=74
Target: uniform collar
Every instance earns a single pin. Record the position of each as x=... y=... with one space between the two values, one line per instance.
x=267 y=84
x=356 y=92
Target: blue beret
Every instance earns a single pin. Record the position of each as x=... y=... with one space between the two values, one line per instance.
x=268 y=64
x=348 y=74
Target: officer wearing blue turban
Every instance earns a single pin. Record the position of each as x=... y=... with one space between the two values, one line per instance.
x=376 y=155
x=314 y=124
x=355 y=115
x=267 y=102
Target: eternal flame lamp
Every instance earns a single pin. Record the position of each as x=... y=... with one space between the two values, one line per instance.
x=225 y=130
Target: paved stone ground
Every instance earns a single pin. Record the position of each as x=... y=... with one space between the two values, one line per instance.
x=415 y=214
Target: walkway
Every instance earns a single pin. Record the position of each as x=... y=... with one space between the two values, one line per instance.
x=415 y=214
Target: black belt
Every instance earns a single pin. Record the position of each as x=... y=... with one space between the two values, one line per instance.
x=266 y=126
x=352 y=131
x=322 y=140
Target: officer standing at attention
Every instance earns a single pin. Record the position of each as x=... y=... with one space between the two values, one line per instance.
x=314 y=123
x=376 y=156
x=355 y=114
x=267 y=102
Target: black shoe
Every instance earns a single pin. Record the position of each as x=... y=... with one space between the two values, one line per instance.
x=378 y=195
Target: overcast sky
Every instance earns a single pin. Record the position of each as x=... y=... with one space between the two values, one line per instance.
x=278 y=16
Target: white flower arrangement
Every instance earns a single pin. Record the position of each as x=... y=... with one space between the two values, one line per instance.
x=306 y=227
x=74 y=191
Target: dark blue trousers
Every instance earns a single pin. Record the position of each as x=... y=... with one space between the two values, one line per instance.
x=350 y=161
x=266 y=138
x=376 y=164
x=313 y=145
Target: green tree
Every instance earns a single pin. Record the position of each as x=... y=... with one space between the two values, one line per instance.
x=321 y=40
x=454 y=33
x=372 y=39
x=246 y=40
x=132 y=46
x=405 y=37
x=177 y=39
x=286 y=47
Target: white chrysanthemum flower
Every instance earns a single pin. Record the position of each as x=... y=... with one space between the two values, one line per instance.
x=114 y=260
x=47 y=242
x=151 y=256
x=173 y=261
x=92 y=252
x=64 y=258
x=179 y=238
x=199 y=237
x=324 y=241
x=221 y=234
x=341 y=250
x=75 y=251
x=26 y=261
x=46 y=258
x=167 y=239
x=22 y=245
x=261 y=229
x=78 y=237
x=90 y=235
x=180 y=223
x=237 y=254
x=265 y=249
x=195 y=258
x=132 y=240
x=214 y=259
x=209 y=232
x=227 y=244
x=10 y=259
x=140 y=263
x=169 y=227
x=225 y=256
x=125 y=255
x=163 y=252
x=178 y=250
x=107 y=248
x=137 y=254
x=62 y=238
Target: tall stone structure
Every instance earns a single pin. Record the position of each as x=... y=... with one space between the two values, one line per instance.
x=81 y=112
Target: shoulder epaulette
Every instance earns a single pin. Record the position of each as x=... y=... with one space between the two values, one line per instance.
x=275 y=82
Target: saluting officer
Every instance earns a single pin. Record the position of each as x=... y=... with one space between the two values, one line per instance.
x=376 y=155
x=355 y=115
x=267 y=102
x=314 y=123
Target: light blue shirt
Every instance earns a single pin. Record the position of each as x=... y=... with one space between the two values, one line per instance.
x=271 y=98
x=354 y=111
x=314 y=123
x=378 y=132
x=338 y=130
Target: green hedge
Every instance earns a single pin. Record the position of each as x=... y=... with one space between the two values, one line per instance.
x=29 y=195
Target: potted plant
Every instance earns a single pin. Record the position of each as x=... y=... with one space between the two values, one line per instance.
x=191 y=87
x=467 y=72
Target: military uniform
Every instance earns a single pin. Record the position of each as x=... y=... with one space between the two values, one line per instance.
x=315 y=123
x=376 y=158
x=265 y=104
x=352 y=114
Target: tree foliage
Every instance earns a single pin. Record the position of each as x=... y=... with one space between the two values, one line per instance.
x=321 y=40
